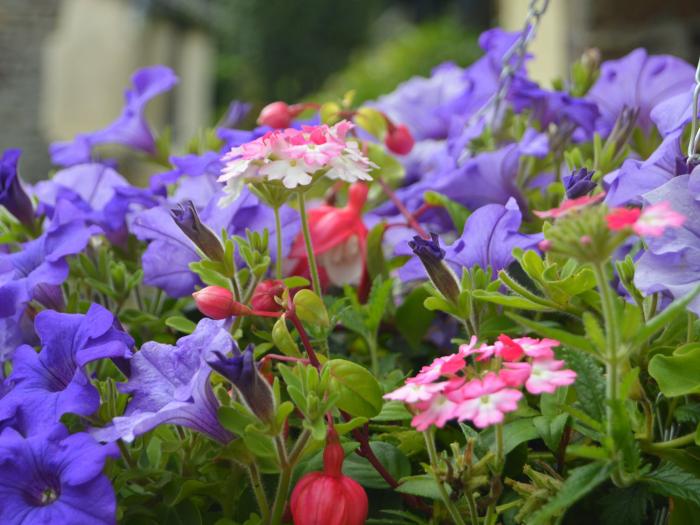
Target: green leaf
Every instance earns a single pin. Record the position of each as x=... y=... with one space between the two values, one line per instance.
x=377 y=303
x=393 y=411
x=626 y=506
x=296 y=282
x=310 y=308
x=361 y=470
x=423 y=485
x=283 y=339
x=551 y=429
x=376 y=262
x=594 y=331
x=181 y=324
x=511 y=301
x=671 y=480
x=412 y=319
x=684 y=512
x=236 y=418
x=371 y=120
x=658 y=322
x=514 y=433
x=458 y=213
x=677 y=374
x=589 y=384
x=580 y=482
x=358 y=391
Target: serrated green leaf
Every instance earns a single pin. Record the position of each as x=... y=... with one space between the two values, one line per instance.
x=589 y=384
x=361 y=470
x=671 y=480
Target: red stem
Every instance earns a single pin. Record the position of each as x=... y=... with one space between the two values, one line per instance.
x=313 y=359
x=410 y=219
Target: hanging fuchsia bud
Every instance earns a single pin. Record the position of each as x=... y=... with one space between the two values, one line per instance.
x=399 y=140
x=218 y=303
x=329 y=497
x=277 y=115
x=264 y=296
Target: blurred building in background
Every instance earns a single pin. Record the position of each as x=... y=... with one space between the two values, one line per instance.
x=64 y=64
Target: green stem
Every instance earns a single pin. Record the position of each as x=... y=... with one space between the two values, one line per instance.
x=126 y=455
x=259 y=491
x=278 y=236
x=500 y=456
x=313 y=268
x=449 y=504
x=611 y=336
x=287 y=464
x=673 y=443
x=372 y=344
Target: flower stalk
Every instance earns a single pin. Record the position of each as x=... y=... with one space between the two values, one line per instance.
x=311 y=257
x=429 y=436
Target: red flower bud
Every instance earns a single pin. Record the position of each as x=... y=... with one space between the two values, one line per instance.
x=329 y=497
x=264 y=296
x=399 y=140
x=277 y=115
x=218 y=303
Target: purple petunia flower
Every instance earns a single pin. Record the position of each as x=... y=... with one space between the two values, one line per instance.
x=634 y=178
x=53 y=382
x=170 y=385
x=638 y=81
x=129 y=129
x=671 y=262
x=55 y=478
x=12 y=195
x=490 y=235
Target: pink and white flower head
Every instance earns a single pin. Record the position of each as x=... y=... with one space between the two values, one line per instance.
x=438 y=411
x=412 y=393
x=484 y=401
x=547 y=375
x=570 y=206
x=447 y=365
x=537 y=348
x=652 y=221
x=294 y=157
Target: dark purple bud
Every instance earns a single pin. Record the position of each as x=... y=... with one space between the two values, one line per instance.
x=187 y=219
x=12 y=194
x=243 y=373
x=431 y=255
x=579 y=183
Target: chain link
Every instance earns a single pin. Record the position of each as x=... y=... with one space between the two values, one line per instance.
x=694 y=142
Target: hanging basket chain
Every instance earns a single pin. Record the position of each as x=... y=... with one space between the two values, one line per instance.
x=694 y=141
x=514 y=58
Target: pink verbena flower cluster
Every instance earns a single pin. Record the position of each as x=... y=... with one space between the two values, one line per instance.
x=450 y=389
x=294 y=156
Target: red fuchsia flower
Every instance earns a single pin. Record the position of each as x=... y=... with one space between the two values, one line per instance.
x=278 y=115
x=217 y=302
x=294 y=156
x=399 y=140
x=339 y=239
x=570 y=206
x=484 y=401
x=329 y=497
x=652 y=221
x=264 y=295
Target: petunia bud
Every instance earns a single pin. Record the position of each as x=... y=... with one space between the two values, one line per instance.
x=187 y=219
x=218 y=303
x=579 y=183
x=329 y=497
x=399 y=140
x=244 y=375
x=277 y=115
x=12 y=194
x=431 y=255
x=265 y=294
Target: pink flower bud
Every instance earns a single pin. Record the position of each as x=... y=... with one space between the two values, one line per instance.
x=264 y=296
x=218 y=303
x=329 y=497
x=399 y=140
x=545 y=245
x=276 y=115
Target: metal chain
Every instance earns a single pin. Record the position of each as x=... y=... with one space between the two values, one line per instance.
x=514 y=58
x=694 y=142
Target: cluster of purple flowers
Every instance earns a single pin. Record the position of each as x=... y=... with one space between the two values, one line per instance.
x=50 y=476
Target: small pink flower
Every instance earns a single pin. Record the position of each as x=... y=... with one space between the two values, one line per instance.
x=546 y=376
x=537 y=348
x=438 y=411
x=654 y=220
x=445 y=365
x=569 y=206
x=509 y=349
x=515 y=374
x=484 y=401
x=416 y=392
